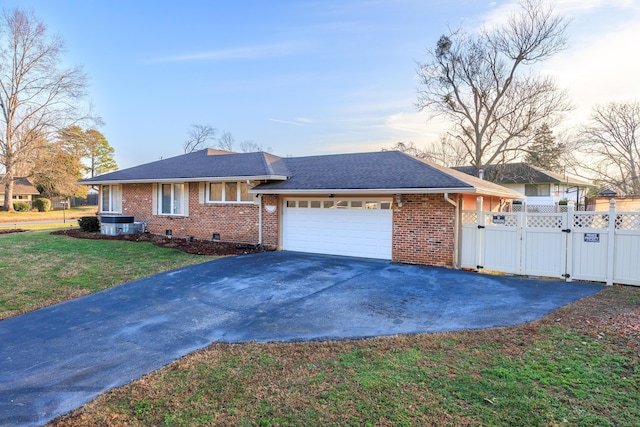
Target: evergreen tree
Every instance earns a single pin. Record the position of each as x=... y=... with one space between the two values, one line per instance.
x=545 y=152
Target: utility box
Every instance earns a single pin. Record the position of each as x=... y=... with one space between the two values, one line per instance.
x=114 y=225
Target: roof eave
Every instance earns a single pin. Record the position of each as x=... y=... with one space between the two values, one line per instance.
x=183 y=179
x=454 y=190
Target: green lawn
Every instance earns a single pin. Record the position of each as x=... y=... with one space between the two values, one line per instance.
x=39 y=269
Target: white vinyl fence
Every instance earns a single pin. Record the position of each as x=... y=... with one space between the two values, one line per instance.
x=594 y=246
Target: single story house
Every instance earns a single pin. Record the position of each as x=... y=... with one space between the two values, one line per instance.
x=540 y=186
x=385 y=204
x=23 y=190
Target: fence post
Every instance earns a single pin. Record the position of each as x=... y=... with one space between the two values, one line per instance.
x=567 y=223
x=479 y=229
x=611 y=241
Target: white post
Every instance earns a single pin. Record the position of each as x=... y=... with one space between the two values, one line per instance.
x=611 y=241
x=479 y=231
x=567 y=224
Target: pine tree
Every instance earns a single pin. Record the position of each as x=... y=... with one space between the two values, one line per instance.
x=545 y=152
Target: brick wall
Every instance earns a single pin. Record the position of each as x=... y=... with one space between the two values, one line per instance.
x=423 y=230
x=422 y=227
x=234 y=222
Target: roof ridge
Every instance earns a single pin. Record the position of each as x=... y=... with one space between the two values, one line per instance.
x=434 y=166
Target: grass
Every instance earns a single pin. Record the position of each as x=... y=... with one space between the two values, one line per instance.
x=6 y=218
x=40 y=269
x=567 y=369
x=578 y=366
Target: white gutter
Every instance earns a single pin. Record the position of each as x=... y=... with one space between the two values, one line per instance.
x=455 y=229
x=260 y=219
x=356 y=191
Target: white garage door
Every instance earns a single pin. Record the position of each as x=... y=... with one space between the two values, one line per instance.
x=350 y=227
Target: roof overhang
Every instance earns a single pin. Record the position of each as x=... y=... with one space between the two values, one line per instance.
x=351 y=191
x=183 y=179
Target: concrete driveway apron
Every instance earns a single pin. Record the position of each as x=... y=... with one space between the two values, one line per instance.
x=58 y=358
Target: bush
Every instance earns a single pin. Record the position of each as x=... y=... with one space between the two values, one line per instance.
x=21 y=207
x=43 y=205
x=89 y=224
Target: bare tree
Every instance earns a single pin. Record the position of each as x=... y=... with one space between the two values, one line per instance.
x=443 y=152
x=248 y=146
x=198 y=138
x=226 y=141
x=37 y=97
x=611 y=145
x=479 y=83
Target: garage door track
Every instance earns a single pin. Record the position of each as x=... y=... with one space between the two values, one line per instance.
x=58 y=358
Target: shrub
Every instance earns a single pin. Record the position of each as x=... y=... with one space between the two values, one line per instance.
x=89 y=224
x=21 y=207
x=42 y=204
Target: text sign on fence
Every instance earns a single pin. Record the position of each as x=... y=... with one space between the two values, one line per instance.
x=498 y=219
x=592 y=237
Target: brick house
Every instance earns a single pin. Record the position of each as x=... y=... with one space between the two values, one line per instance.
x=385 y=205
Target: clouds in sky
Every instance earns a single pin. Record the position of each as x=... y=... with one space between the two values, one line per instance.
x=242 y=53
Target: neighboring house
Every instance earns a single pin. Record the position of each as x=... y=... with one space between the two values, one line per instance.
x=385 y=205
x=541 y=187
x=23 y=190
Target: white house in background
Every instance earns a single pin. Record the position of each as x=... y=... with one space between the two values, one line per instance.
x=541 y=187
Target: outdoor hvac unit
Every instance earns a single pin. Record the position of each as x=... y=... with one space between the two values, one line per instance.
x=114 y=225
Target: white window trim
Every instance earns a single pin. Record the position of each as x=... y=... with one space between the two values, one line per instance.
x=115 y=198
x=208 y=200
x=337 y=199
x=157 y=191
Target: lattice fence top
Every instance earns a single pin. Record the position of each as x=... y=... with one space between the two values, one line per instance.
x=628 y=221
x=501 y=219
x=469 y=217
x=591 y=220
x=544 y=221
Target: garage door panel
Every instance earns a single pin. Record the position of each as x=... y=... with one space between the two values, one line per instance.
x=339 y=231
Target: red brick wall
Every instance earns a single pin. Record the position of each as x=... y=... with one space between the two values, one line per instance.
x=234 y=222
x=423 y=230
x=422 y=227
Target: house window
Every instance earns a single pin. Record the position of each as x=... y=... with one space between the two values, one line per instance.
x=111 y=198
x=171 y=200
x=537 y=190
x=229 y=192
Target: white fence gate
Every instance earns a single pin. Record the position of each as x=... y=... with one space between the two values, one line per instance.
x=595 y=246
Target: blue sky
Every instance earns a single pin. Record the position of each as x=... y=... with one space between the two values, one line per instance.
x=303 y=77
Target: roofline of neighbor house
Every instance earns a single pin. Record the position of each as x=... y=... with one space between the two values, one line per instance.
x=178 y=180
x=390 y=191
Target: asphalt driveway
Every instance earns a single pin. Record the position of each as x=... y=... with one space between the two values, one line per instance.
x=58 y=358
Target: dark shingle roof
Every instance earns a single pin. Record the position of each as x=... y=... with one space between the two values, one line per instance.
x=378 y=170
x=21 y=186
x=199 y=165
x=383 y=171
x=520 y=173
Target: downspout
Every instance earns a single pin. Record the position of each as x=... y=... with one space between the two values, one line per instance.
x=455 y=229
x=260 y=219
